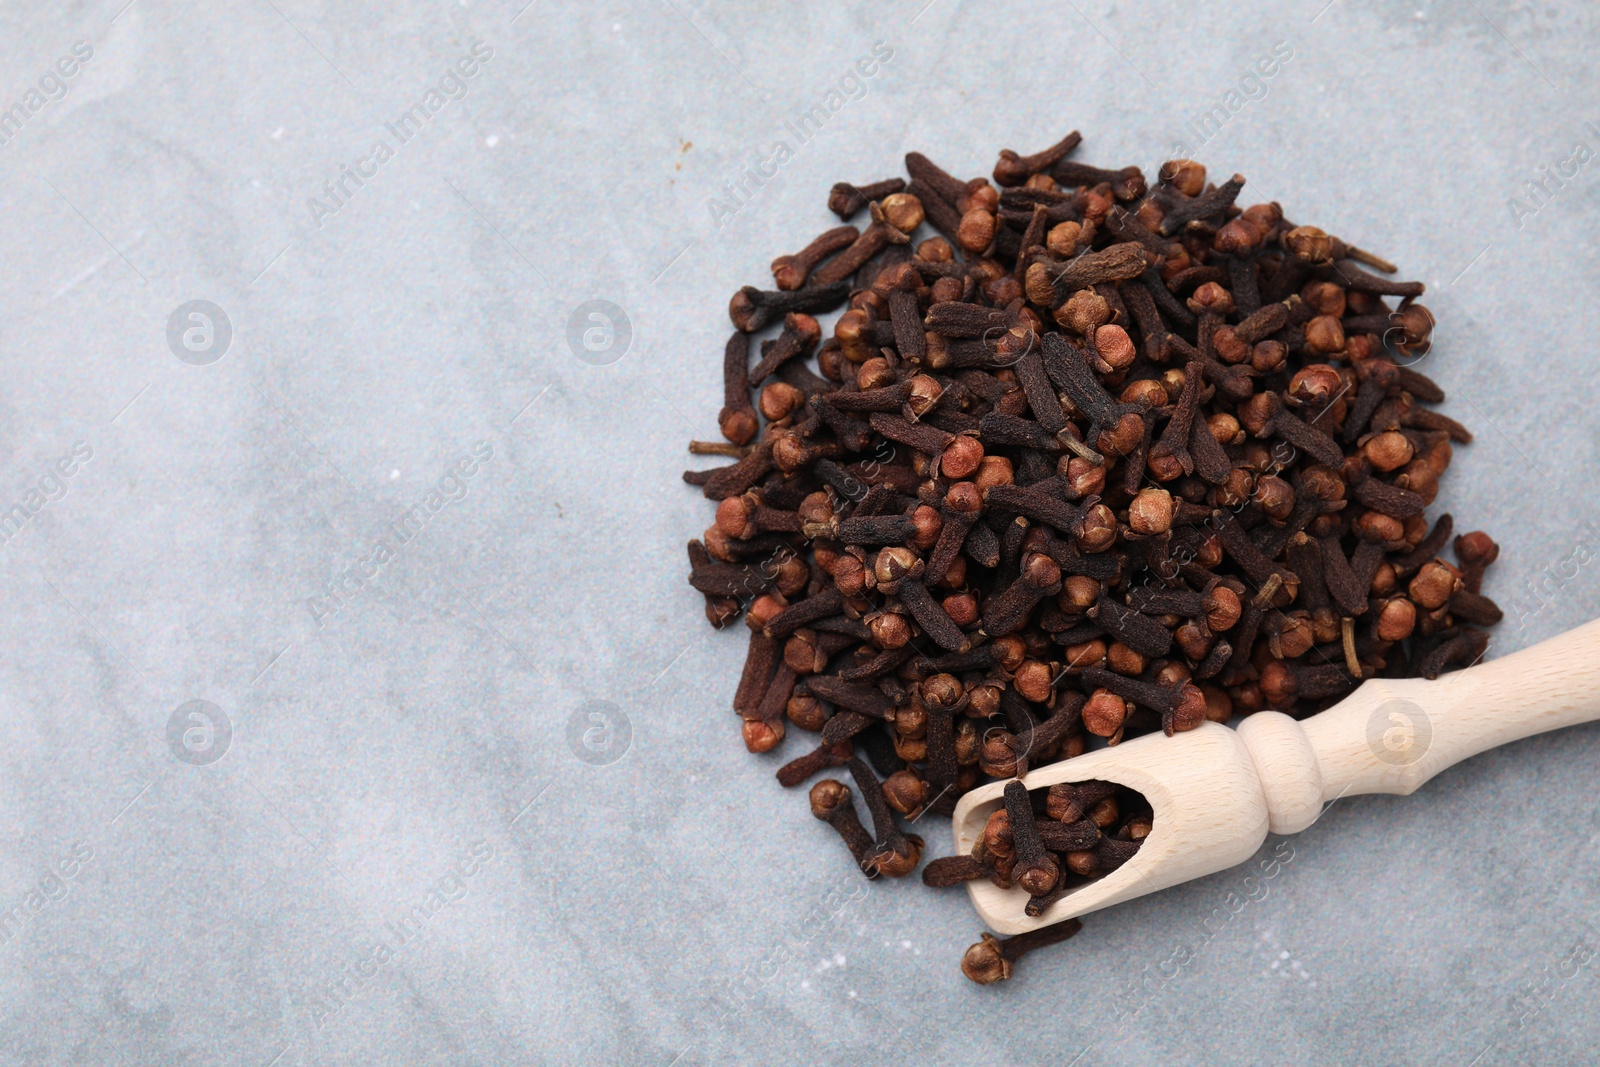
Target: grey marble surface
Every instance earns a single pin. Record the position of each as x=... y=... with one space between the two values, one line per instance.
x=374 y=842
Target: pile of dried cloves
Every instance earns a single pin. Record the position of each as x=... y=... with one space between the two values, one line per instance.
x=1099 y=458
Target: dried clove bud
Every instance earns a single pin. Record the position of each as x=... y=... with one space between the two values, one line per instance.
x=992 y=959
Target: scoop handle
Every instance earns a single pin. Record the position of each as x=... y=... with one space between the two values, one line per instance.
x=1392 y=735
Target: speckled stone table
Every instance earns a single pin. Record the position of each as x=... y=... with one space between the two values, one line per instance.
x=355 y=708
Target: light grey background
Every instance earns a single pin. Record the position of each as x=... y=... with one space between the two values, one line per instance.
x=675 y=906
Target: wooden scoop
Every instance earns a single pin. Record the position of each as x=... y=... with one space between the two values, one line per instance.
x=1216 y=792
